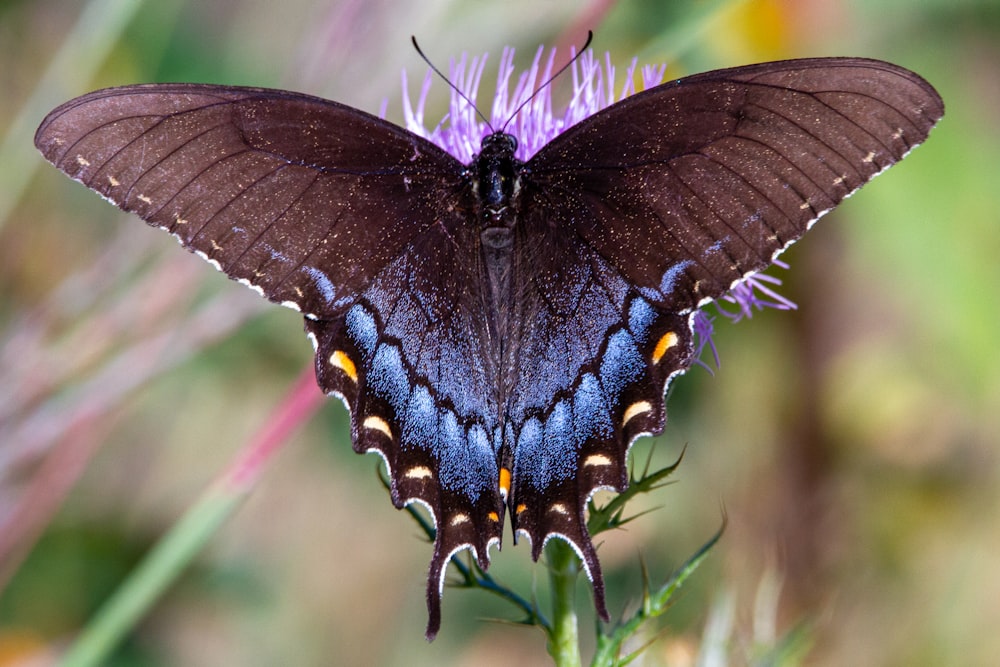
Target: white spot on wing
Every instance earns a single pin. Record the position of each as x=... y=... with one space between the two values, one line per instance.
x=255 y=288
x=419 y=472
x=201 y=253
x=596 y=460
x=636 y=409
x=378 y=424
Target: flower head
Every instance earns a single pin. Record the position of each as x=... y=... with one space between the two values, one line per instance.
x=535 y=124
x=526 y=112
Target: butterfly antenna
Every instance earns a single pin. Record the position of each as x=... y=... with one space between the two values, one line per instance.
x=450 y=84
x=569 y=63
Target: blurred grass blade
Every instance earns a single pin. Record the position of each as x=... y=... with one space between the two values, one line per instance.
x=163 y=565
x=83 y=51
x=178 y=548
x=687 y=33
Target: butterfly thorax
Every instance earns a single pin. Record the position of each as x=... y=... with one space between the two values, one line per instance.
x=496 y=177
x=496 y=184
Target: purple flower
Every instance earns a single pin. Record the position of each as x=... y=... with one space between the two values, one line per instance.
x=462 y=130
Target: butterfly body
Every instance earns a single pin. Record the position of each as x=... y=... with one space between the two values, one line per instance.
x=501 y=331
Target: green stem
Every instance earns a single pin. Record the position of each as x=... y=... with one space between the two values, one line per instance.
x=564 y=567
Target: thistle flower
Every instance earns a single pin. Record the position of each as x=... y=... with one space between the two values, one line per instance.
x=462 y=130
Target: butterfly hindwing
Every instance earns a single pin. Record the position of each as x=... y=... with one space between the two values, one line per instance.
x=409 y=358
x=593 y=358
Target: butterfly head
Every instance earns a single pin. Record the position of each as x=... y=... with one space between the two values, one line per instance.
x=496 y=173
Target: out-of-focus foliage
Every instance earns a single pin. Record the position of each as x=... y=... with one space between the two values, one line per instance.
x=853 y=443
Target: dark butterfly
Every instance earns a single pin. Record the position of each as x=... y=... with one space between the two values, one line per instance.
x=501 y=331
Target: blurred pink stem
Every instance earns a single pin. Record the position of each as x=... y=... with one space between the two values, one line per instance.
x=66 y=462
x=297 y=407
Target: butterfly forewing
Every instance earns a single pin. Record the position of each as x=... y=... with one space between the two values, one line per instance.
x=304 y=198
x=690 y=186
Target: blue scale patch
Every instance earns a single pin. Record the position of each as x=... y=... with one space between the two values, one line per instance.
x=640 y=318
x=530 y=454
x=622 y=363
x=467 y=462
x=561 y=444
x=361 y=326
x=591 y=410
x=419 y=419
x=387 y=378
x=323 y=284
x=668 y=282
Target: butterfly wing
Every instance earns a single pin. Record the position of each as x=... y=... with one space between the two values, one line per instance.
x=689 y=187
x=659 y=203
x=347 y=218
x=592 y=358
x=301 y=198
x=411 y=360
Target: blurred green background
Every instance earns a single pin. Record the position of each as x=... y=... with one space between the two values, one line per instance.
x=852 y=443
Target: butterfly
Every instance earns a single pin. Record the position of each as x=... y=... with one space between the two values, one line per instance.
x=501 y=331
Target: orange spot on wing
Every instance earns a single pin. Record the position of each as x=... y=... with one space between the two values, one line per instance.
x=667 y=341
x=504 y=483
x=339 y=359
